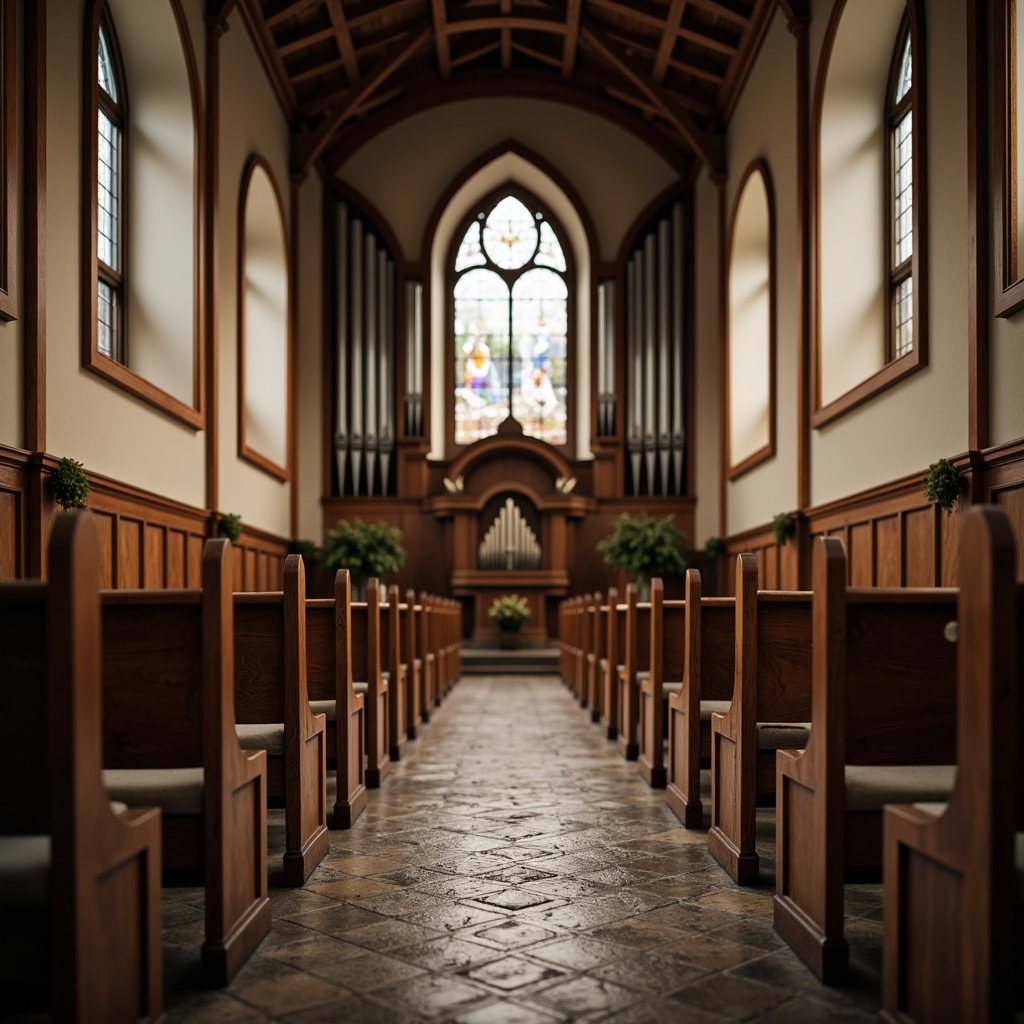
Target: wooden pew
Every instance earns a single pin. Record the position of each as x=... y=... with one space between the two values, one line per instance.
x=710 y=638
x=637 y=659
x=428 y=667
x=169 y=738
x=331 y=692
x=614 y=643
x=952 y=939
x=884 y=694
x=396 y=669
x=770 y=707
x=668 y=651
x=272 y=712
x=368 y=680
x=412 y=657
x=596 y=653
x=80 y=912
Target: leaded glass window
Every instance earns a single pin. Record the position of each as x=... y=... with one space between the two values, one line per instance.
x=901 y=191
x=111 y=122
x=511 y=324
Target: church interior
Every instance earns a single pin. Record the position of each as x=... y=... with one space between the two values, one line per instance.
x=498 y=275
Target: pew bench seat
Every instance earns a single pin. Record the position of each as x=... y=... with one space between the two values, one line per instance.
x=783 y=735
x=267 y=736
x=173 y=790
x=327 y=707
x=713 y=707
x=870 y=787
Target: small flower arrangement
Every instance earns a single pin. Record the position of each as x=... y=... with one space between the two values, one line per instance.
x=944 y=484
x=509 y=612
x=69 y=484
x=784 y=528
x=230 y=526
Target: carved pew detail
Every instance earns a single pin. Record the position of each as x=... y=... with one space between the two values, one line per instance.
x=91 y=944
x=168 y=703
x=393 y=615
x=951 y=947
x=614 y=641
x=637 y=654
x=710 y=638
x=329 y=677
x=595 y=656
x=272 y=711
x=412 y=656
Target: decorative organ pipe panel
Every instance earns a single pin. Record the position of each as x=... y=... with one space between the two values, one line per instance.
x=509 y=542
x=606 y=359
x=364 y=331
x=655 y=359
x=414 y=358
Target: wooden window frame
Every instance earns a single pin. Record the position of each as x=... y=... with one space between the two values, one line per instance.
x=767 y=451
x=245 y=452
x=1009 y=264
x=898 y=369
x=8 y=161
x=895 y=113
x=92 y=359
x=532 y=203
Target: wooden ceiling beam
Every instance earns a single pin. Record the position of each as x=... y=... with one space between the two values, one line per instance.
x=572 y=35
x=299 y=41
x=441 y=44
x=506 y=36
x=702 y=143
x=311 y=144
x=359 y=14
x=653 y=16
x=669 y=36
x=472 y=55
x=285 y=9
x=343 y=37
x=727 y=9
x=311 y=71
x=537 y=55
x=703 y=109
x=519 y=23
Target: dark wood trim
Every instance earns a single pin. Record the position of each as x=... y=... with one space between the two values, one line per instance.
x=895 y=371
x=295 y=215
x=245 y=451
x=328 y=345
x=750 y=48
x=723 y=381
x=35 y=226
x=978 y=213
x=9 y=158
x=690 y=335
x=92 y=359
x=1009 y=206
x=767 y=451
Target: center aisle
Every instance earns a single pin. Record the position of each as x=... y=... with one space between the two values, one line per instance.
x=514 y=869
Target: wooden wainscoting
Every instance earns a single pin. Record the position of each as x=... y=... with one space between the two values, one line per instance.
x=146 y=541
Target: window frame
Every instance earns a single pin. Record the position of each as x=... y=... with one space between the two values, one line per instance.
x=8 y=161
x=898 y=369
x=532 y=203
x=895 y=113
x=1009 y=205
x=112 y=370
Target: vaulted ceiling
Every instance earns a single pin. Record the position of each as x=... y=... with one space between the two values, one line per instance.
x=667 y=70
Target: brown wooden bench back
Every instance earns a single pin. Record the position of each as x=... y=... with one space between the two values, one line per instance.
x=783 y=656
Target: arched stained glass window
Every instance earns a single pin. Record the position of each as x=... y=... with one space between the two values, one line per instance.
x=511 y=323
x=901 y=137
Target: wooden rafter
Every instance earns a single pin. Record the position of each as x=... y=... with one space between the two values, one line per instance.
x=724 y=8
x=695 y=136
x=506 y=35
x=359 y=14
x=302 y=39
x=472 y=55
x=519 y=23
x=537 y=55
x=311 y=144
x=343 y=37
x=647 y=108
x=313 y=70
x=444 y=53
x=668 y=39
x=283 y=9
x=653 y=16
x=572 y=34
x=704 y=72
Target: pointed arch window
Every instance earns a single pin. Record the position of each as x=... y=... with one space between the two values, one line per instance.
x=901 y=190
x=112 y=130
x=511 y=322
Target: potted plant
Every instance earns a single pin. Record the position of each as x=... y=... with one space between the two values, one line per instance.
x=943 y=484
x=230 y=526
x=784 y=528
x=645 y=547
x=713 y=547
x=365 y=549
x=509 y=613
x=69 y=484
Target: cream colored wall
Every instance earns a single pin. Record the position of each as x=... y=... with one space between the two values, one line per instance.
x=12 y=336
x=309 y=357
x=707 y=342
x=924 y=417
x=251 y=121
x=764 y=125
x=88 y=418
x=614 y=174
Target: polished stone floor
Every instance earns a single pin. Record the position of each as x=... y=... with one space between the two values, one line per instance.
x=514 y=870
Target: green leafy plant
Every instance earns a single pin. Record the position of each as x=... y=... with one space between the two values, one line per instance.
x=365 y=549
x=714 y=546
x=309 y=551
x=69 y=484
x=230 y=526
x=943 y=484
x=784 y=528
x=645 y=547
x=510 y=612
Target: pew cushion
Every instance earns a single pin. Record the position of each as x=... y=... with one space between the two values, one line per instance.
x=24 y=871
x=870 y=787
x=323 y=707
x=783 y=735
x=262 y=737
x=667 y=688
x=713 y=707
x=173 y=790
x=361 y=687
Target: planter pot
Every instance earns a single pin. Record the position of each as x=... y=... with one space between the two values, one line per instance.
x=509 y=638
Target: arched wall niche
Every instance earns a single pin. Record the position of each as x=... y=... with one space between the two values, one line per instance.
x=515 y=166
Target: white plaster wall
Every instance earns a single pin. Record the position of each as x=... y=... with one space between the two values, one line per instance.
x=407 y=167
x=88 y=418
x=764 y=125
x=924 y=417
x=251 y=121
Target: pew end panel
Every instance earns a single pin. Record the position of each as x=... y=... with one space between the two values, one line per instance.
x=414 y=664
x=394 y=614
x=364 y=649
x=92 y=944
x=609 y=714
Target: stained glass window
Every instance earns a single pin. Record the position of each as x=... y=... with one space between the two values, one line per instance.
x=901 y=142
x=511 y=329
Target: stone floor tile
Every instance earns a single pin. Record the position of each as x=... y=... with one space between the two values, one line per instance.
x=276 y=996
x=647 y=972
x=732 y=996
x=637 y=933
x=513 y=899
x=585 y=995
x=364 y=865
x=506 y=1012
x=352 y=888
x=390 y=933
x=446 y=953
x=368 y=971
x=512 y=972
x=307 y=954
x=579 y=953
x=511 y=933
x=432 y=995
